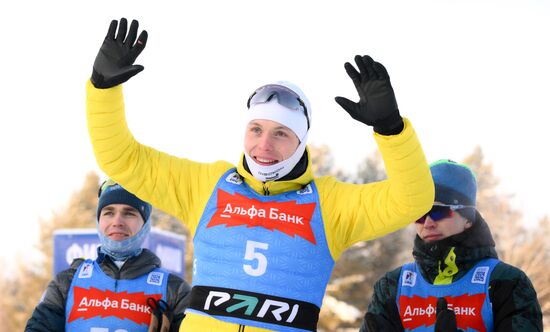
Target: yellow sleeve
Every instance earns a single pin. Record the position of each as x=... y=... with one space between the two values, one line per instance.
x=177 y=186
x=354 y=213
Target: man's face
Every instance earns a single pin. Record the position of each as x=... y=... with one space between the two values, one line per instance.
x=269 y=142
x=432 y=230
x=120 y=221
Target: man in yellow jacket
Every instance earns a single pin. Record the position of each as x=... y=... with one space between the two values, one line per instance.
x=266 y=233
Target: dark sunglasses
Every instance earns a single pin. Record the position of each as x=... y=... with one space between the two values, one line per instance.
x=285 y=97
x=442 y=211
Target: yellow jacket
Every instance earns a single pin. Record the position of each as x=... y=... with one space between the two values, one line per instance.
x=181 y=187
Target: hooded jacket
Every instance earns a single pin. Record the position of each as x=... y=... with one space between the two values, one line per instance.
x=49 y=315
x=513 y=298
x=182 y=188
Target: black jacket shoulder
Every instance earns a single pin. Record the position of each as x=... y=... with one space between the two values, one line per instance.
x=514 y=300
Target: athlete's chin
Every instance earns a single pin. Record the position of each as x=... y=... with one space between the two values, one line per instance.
x=118 y=237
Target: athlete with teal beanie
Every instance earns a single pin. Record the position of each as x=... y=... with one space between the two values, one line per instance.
x=266 y=232
x=456 y=282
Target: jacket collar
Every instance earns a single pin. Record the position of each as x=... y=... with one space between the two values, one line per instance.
x=134 y=267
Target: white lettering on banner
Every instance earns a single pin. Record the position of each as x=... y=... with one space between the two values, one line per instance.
x=254 y=212
x=430 y=310
x=283 y=306
x=465 y=311
x=107 y=303
x=223 y=297
x=171 y=258
x=251 y=212
x=126 y=304
x=275 y=215
x=276 y=308
x=83 y=302
x=293 y=313
x=86 y=251
x=228 y=209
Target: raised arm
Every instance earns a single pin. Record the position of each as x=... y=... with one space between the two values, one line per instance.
x=177 y=186
x=363 y=212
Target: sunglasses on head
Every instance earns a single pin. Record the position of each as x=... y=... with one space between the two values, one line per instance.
x=285 y=97
x=441 y=211
x=105 y=185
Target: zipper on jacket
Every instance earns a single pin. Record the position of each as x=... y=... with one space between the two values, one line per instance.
x=117 y=278
x=266 y=190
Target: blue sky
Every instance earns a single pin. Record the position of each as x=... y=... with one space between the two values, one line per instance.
x=466 y=73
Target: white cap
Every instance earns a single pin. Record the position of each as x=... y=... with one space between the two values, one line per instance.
x=295 y=120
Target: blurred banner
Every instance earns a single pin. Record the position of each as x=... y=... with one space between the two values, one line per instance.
x=69 y=244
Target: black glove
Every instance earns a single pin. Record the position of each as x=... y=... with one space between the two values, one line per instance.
x=445 y=319
x=377 y=106
x=114 y=63
x=375 y=323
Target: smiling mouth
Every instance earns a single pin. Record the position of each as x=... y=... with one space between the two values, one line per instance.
x=265 y=162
